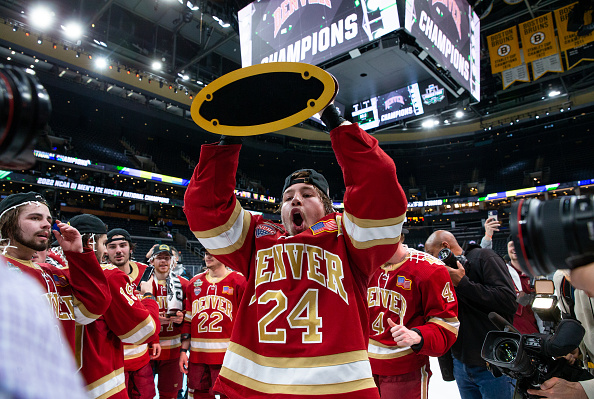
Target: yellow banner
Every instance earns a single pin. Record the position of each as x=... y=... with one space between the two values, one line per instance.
x=538 y=38
x=569 y=40
x=504 y=50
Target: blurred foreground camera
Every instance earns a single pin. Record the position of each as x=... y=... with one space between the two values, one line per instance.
x=555 y=234
x=532 y=359
x=24 y=110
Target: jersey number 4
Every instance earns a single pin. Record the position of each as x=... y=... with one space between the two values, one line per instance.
x=303 y=316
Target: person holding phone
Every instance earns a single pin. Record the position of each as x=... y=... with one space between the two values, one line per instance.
x=139 y=374
x=491 y=225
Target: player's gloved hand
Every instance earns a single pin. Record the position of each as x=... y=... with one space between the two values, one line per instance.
x=331 y=117
x=229 y=140
x=175 y=295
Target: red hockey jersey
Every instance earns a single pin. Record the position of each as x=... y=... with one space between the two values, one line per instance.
x=79 y=294
x=211 y=310
x=302 y=326
x=136 y=355
x=170 y=335
x=127 y=320
x=417 y=293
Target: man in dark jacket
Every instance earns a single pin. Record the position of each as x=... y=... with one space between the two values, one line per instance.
x=482 y=285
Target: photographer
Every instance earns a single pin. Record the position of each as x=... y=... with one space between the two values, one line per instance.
x=482 y=285
x=582 y=309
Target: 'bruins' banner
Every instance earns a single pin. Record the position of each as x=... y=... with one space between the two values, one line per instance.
x=504 y=50
x=569 y=40
x=538 y=38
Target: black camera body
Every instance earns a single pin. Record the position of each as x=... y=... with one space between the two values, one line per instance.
x=25 y=108
x=531 y=359
x=555 y=234
x=447 y=256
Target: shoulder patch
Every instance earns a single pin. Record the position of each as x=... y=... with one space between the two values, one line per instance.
x=60 y=281
x=264 y=229
x=403 y=282
x=327 y=226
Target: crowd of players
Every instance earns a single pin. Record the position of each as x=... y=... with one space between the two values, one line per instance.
x=334 y=305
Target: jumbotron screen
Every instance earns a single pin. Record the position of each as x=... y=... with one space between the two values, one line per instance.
x=388 y=108
x=450 y=32
x=311 y=31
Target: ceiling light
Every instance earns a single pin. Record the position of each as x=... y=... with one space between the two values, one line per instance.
x=554 y=93
x=39 y=40
x=73 y=30
x=41 y=17
x=429 y=123
x=101 y=63
x=459 y=114
x=157 y=65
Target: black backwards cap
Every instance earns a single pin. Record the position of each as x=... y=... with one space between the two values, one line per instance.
x=88 y=224
x=15 y=200
x=118 y=232
x=313 y=177
x=163 y=248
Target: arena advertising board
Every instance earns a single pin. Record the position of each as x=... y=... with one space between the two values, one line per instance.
x=311 y=31
x=450 y=33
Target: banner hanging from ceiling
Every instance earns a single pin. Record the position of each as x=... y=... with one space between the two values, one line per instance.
x=450 y=33
x=538 y=38
x=504 y=50
x=311 y=31
x=567 y=39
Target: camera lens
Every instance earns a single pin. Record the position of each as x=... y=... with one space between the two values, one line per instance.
x=555 y=234
x=506 y=351
x=24 y=110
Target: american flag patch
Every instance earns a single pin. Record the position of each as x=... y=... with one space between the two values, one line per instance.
x=324 y=226
x=60 y=281
x=264 y=230
x=227 y=290
x=403 y=282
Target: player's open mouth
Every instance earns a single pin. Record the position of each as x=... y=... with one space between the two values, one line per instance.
x=297 y=218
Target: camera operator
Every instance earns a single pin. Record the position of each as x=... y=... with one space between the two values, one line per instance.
x=579 y=304
x=483 y=284
x=524 y=319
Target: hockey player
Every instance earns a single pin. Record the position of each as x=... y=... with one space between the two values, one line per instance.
x=139 y=374
x=212 y=302
x=81 y=294
x=413 y=314
x=126 y=320
x=169 y=290
x=302 y=328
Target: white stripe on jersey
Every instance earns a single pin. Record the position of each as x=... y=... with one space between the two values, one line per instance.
x=334 y=374
x=210 y=344
x=382 y=350
x=364 y=234
x=170 y=341
x=81 y=318
x=228 y=237
x=134 y=350
x=147 y=329
x=117 y=380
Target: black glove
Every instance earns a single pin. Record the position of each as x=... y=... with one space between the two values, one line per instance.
x=331 y=117
x=228 y=140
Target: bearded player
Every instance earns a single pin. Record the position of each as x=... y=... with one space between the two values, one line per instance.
x=126 y=320
x=82 y=294
x=139 y=374
x=307 y=278
x=212 y=301
x=172 y=318
x=413 y=314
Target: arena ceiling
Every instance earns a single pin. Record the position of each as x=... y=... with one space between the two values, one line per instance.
x=199 y=39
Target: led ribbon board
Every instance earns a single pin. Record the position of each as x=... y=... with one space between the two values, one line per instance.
x=152 y=176
x=263 y=98
x=311 y=31
x=450 y=32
